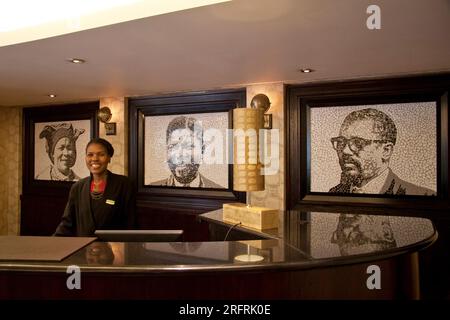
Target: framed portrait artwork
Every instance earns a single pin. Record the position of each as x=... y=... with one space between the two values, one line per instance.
x=56 y=150
x=180 y=146
x=378 y=142
x=54 y=142
x=186 y=137
x=343 y=153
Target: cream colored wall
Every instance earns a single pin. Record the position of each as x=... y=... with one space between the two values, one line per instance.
x=10 y=170
x=274 y=194
x=119 y=141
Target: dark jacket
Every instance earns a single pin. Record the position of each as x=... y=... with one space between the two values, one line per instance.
x=393 y=186
x=116 y=210
x=204 y=182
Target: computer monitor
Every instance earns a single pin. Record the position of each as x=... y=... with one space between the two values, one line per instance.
x=139 y=235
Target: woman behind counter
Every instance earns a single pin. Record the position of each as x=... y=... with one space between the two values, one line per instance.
x=103 y=200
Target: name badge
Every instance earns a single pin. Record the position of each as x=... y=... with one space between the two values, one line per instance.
x=110 y=202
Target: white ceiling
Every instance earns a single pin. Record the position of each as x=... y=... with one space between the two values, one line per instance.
x=230 y=45
x=49 y=18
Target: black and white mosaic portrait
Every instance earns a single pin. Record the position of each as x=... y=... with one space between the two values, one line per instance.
x=186 y=150
x=59 y=150
x=386 y=149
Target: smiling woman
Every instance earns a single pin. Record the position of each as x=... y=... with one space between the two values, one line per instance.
x=103 y=200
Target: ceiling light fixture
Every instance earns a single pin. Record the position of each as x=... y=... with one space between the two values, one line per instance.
x=26 y=20
x=51 y=95
x=77 y=60
x=306 y=70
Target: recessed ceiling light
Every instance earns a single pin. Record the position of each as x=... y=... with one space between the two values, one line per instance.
x=77 y=60
x=306 y=70
x=51 y=95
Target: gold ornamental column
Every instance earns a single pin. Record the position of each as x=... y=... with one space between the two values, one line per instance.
x=247 y=173
x=247 y=165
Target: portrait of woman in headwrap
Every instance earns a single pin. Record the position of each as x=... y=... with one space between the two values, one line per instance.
x=60 y=146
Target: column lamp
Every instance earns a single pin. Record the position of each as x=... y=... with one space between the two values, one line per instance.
x=247 y=171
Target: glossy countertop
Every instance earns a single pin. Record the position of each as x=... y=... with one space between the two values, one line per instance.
x=303 y=240
x=336 y=235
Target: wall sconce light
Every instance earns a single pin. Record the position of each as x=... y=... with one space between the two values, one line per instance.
x=104 y=115
x=261 y=101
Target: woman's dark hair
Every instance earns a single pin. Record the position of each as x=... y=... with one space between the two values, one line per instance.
x=108 y=146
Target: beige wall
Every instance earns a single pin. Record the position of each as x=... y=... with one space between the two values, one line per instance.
x=10 y=170
x=119 y=141
x=11 y=149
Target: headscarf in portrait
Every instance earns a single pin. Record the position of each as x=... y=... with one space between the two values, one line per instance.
x=52 y=133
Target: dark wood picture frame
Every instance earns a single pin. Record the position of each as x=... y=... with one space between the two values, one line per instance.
x=189 y=103
x=56 y=113
x=301 y=98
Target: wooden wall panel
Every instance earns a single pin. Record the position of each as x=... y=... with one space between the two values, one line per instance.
x=157 y=216
x=41 y=214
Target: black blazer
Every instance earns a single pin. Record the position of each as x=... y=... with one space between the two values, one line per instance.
x=393 y=186
x=116 y=211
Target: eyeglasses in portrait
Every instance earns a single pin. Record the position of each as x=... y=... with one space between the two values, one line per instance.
x=186 y=150
x=59 y=149
x=388 y=149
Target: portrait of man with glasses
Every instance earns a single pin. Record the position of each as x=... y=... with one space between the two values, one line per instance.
x=364 y=147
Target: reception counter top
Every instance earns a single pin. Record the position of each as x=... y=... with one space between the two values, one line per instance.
x=322 y=236
x=177 y=257
x=311 y=255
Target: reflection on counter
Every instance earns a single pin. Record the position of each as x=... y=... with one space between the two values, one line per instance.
x=183 y=253
x=357 y=233
x=257 y=251
x=333 y=235
x=99 y=253
x=320 y=235
x=105 y=253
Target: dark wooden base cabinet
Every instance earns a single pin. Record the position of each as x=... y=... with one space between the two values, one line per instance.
x=338 y=282
x=41 y=214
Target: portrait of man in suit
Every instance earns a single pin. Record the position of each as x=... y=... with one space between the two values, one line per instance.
x=364 y=147
x=185 y=148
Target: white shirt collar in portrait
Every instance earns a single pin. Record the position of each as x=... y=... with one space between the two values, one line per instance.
x=58 y=176
x=374 y=186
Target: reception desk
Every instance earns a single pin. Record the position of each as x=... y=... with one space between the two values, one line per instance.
x=310 y=256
